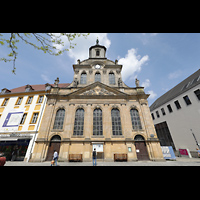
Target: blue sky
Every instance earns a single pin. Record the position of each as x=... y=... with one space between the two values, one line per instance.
x=159 y=60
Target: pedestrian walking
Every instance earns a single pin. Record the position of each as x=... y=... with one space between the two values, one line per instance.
x=55 y=158
x=198 y=151
x=94 y=154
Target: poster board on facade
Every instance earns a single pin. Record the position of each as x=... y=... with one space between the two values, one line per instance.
x=12 y=120
x=168 y=153
x=98 y=147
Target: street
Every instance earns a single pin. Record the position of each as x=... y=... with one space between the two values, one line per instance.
x=180 y=161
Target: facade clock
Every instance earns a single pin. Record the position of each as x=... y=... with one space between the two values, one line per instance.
x=97 y=66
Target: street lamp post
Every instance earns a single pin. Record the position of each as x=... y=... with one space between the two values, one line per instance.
x=195 y=139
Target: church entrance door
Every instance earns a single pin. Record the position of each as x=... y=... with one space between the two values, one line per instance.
x=141 y=149
x=54 y=145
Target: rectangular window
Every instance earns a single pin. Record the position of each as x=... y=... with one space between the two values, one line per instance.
x=34 y=118
x=116 y=122
x=112 y=78
x=97 y=53
x=97 y=122
x=157 y=114
x=152 y=115
x=163 y=111
x=79 y=122
x=19 y=101
x=169 y=108
x=5 y=102
x=178 y=106
x=197 y=92
x=97 y=77
x=23 y=118
x=187 y=100
x=40 y=99
x=29 y=101
x=83 y=78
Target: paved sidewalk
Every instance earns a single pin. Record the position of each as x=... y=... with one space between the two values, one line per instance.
x=180 y=161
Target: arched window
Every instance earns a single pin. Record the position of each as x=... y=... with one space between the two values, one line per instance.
x=83 y=78
x=79 y=122
x=59 y=119
x=97 y=122
x=135 y=118
x=116 y=122
x=97 y=77
x=112 y=78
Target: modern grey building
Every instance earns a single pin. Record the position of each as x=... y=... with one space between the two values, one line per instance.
x=177 y=112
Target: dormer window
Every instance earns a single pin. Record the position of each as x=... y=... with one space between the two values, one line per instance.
x=28 y=88
x=5 y=90
x=48 y=87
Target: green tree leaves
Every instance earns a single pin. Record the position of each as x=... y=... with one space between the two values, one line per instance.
x=52 y=43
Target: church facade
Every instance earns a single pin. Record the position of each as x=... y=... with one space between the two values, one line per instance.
x=97 y=110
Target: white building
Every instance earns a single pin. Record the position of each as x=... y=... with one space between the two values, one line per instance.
x=21 y=111
x=177 y=112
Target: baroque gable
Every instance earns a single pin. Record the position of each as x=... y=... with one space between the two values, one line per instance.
x=98 y=91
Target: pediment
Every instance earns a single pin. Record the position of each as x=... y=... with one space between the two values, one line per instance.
x=97 y=89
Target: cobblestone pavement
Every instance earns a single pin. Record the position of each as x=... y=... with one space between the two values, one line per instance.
x=179 y=162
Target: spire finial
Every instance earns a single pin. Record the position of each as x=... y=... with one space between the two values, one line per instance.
x=97 y=41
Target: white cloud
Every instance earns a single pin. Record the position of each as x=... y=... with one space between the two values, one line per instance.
x=175 y=74
x=81 y=50
x=152 y=94
x=151 y=34
x=45 y=78
x=132 y=63
x=146 y=84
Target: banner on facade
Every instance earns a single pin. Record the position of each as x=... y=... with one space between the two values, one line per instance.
x=12 y=120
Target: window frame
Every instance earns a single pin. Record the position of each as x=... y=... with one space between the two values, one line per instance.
x=97 y=78
x=39 y=99
x=83 y=79
x=17 y=102
x=116 y=122
x=135 y=119
x=197 y=93
x=5 y=102
x=187 y=100
x=169 y=108
x=32 y=122
x=23 y=118
x=27 y=102
x=112 y=78
x=177 y=104
x=79 y=122
x=97 y=122
x=59 y=119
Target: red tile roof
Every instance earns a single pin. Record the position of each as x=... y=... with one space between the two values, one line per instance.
x=38 y=87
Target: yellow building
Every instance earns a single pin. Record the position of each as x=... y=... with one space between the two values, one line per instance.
x=97 y=110
x=21 y=111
